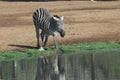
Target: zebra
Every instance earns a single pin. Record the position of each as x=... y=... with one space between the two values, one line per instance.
x=49 y=25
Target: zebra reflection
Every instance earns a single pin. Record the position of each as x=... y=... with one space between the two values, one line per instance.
x=49 y=25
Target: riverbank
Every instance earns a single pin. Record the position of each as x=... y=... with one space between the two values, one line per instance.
x=63 y=49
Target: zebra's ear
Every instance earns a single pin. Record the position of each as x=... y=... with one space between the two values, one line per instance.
x=62 y=18
x=55 y=18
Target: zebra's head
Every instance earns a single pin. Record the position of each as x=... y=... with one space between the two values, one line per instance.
x=59 y=25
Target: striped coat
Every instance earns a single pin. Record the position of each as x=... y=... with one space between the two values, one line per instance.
x=49 y=25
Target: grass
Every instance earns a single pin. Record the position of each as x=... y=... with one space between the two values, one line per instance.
x=33 y=53
x=90 y=46
x=27 y=54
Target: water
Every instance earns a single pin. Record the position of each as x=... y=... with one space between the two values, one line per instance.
x=86 y=65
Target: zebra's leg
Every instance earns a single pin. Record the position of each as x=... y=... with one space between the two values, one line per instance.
x=45 y=41
x=37 y=36
x=42 y=38
x=55 y=40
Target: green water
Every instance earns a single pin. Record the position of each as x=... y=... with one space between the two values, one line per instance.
x=83 y=65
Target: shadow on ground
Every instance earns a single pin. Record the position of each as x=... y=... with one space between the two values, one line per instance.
x=23 y=46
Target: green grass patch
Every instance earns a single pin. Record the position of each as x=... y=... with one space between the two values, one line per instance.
x=34 y=53
x=27 y=54
x=89 y=46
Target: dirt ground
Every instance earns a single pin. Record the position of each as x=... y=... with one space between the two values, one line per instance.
x=85 y=21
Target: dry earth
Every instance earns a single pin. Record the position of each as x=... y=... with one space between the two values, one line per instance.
x=85 y=21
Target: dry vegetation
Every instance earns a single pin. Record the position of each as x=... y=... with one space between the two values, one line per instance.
x=85 y=21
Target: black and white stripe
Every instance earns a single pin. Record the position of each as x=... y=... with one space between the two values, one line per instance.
x=48 y=24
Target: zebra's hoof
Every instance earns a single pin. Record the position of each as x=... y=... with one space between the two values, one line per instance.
x=41 y=49
x=46 y=48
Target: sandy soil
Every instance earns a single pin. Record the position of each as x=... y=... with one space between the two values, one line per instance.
x=85 y=21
